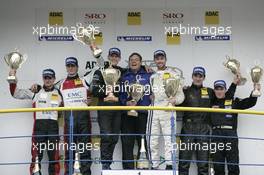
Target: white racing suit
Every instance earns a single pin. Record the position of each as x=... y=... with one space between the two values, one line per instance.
x=46 y=129
x=159 y=122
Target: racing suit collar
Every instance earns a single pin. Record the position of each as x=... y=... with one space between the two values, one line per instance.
x=197 y=87
x=47 y=89
x=72 y=77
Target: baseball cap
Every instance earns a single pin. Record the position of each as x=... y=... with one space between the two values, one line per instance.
x=48 y=73
x=199 y=70
x=114 y=50
x=220 y=83
x=159 y=52
x=71 y=61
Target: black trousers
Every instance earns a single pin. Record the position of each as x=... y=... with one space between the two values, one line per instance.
x=82 y=125
x=46 y=127
x=201 y=154
x=110 y=123
x=229 y=153
x=132 y=125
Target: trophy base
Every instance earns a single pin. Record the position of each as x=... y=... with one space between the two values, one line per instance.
x=132 y=113
x=97 y=53
x=37 y=173
x=77 y=172
x=110 y=95
x=256 y=93
x=11 y=79
x=169 y=105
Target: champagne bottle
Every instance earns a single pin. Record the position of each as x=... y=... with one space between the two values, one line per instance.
x=36 y=170
x=143 y=162
x=76 y=166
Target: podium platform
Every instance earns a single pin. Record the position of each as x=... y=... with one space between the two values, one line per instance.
x=138 y=172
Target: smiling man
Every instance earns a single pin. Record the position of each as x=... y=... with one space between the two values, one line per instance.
x=160 y=122
x=45 y=122
x=130 y=124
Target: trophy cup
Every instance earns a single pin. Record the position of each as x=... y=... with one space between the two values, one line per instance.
x=171 y=85
x=256 y=74
x=111 y=77
x=14 y=60
x=87 y=38
x=76 y=166
x=234 y=66
x=136 y=91
x=36 y=169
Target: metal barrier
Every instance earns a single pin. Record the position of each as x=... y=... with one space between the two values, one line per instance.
x=93 y=108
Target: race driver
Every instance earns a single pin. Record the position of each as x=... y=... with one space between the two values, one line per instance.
x=198 y=123
x=160 y=121
x=109 y=121
x=75 y=92
x=225 y=125
x=45 y=130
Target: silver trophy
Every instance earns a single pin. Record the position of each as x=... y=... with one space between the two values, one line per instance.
x=234 y=66
x=136 y=91
x=14 y=60
x=256 y=74
x=87 y=38
x=171 y=85
x=111 y=77
x=76 y=166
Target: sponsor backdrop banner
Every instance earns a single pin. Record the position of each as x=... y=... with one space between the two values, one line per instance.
x=131 y=30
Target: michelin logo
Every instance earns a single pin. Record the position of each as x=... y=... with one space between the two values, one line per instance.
x=212 y=38
x=56 y=38
x=134 y=38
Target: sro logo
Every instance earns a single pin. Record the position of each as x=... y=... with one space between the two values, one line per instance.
x=95 y=15
x=172 y=15
x=212 y=13
x=134 y=14
x=53 y=14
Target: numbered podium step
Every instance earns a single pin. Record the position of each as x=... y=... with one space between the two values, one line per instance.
x=139 y=172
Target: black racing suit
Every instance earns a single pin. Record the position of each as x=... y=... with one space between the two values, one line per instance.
x=226 y=125
x=109 y=121
x=197 y=123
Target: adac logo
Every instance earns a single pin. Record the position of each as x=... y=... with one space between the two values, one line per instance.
x=212 y=17
x=172 y=18
x=212 y=13
x=56 y=18
x=134 y=18
x=134 y=14
x=56 y=14
x=95 y=18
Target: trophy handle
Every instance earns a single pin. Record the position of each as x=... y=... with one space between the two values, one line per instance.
x=119 y=73
x=6 y=60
